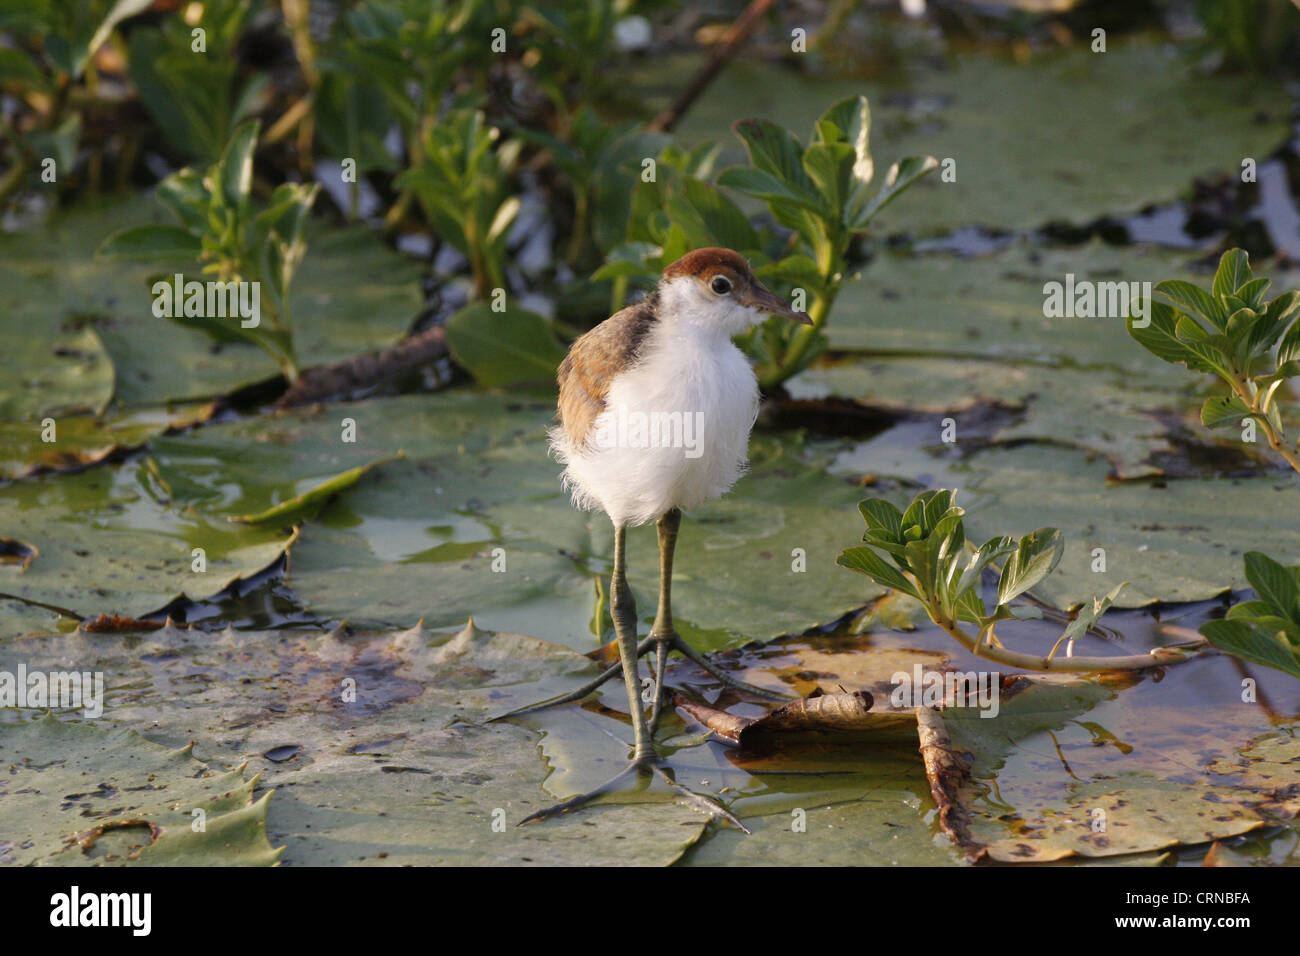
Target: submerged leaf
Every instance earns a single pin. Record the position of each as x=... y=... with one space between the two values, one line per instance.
x=300 y=506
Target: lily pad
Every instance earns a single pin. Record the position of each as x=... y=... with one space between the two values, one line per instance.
x=400 y=771
x=109 y=541
x=476 y=522
x=993 y=307
x=750 y=565
x=882 y=828
x=77 y=794
x=70 y=374
x=82 y=440
x=1121 y=423
x=1004 y=123
x=1179 y=541
x=1114 y=800
x=353 y=295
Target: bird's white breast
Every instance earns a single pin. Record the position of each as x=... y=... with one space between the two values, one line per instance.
x=675 y=429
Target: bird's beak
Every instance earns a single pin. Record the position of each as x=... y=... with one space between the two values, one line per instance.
x=759 y=297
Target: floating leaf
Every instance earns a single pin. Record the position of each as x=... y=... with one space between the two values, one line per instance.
x=78 y=795
x=300 y=506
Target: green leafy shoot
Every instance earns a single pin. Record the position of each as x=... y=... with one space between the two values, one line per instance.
x=44 y=56
x=462 y=184
x=1253 y=347
x=220 y=229
x=196 y=98
x=821 y=192
x=1232 y=332
x=1267 y=629
x=922 y=552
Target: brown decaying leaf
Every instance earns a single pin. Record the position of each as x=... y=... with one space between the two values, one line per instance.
x=1221 y=855
x=948 y=771
x=113 y=623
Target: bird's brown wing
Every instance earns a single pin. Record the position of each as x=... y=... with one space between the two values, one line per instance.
x=593 y=361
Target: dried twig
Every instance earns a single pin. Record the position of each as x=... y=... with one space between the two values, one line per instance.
x=366 y=371
x=948 y=771
x=727 y=47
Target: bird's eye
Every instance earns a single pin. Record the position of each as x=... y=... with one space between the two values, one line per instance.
x=721 y=285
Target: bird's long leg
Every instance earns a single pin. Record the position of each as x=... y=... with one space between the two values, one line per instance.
x=623 y=609
x=644 y=761
x=661 y=632
x=665 y=636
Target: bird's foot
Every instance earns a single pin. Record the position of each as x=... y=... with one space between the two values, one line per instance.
x=662 y=642
x=673 y=642
x=643 y=770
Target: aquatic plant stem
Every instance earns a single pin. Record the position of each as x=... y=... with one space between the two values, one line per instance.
x=803 y=340
x=1276 y=440
x=1158 y=657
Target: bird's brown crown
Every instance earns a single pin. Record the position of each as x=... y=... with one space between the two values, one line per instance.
x=703 y=263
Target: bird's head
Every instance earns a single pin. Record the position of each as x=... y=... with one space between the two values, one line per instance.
x=716 y=288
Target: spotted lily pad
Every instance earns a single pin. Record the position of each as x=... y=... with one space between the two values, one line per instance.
x=374 y=743
x=1114 y=799
x=78 y=794
x=1033 y=402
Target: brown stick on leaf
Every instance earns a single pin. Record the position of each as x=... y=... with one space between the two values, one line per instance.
x=834 y=713
x=366 y=371
x=948 y=771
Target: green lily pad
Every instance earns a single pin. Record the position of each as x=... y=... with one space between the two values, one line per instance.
x=81 y=440
x=993 y=307
x=750 y=565
x=71 y=374
x=77 y=794
x=882 y=828
x=404 y=773
x=1121 y=424
x=353 y=294
x=1181 y=541
x=50 y=274
x=1005 y=123
x=475 y=521
x=109 y=541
